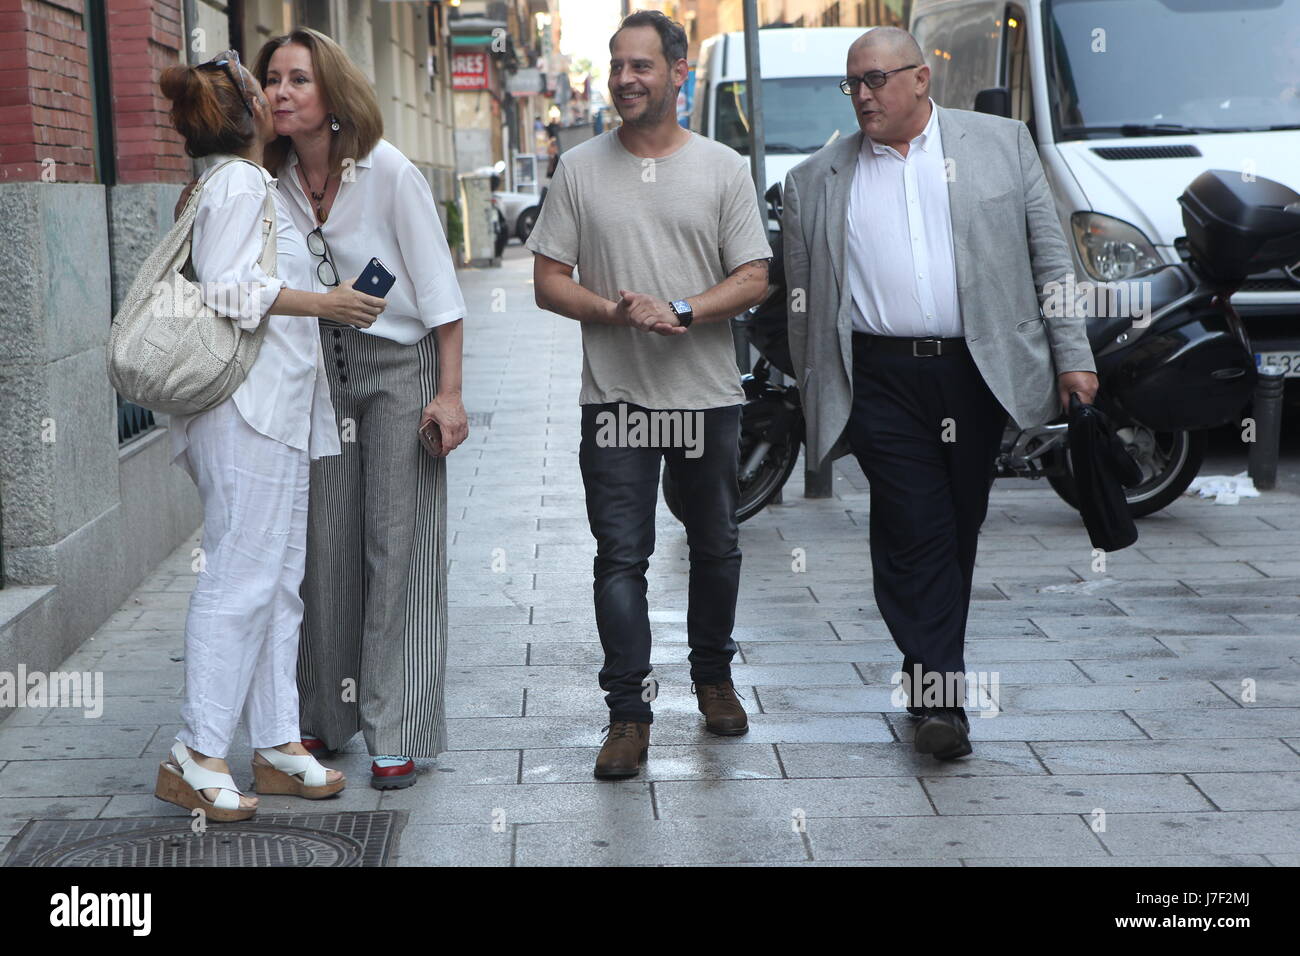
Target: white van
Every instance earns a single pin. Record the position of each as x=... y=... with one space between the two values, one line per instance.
x=803 y=108
x=1128 y=102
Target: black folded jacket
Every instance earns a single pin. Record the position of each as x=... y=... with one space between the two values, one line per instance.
x=1102 y=469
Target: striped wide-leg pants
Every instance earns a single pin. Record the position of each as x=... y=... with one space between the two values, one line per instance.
x=374 y=641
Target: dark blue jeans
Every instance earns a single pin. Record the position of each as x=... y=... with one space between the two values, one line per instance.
x=622 y=489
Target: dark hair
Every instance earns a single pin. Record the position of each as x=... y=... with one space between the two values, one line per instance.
x=672 y=37
x=344 y=91
x=207 y=110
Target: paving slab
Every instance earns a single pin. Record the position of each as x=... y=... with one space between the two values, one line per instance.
x=1274 y=831
x=791 y=800
x=1066 y=793
x=957 y=837
x=1172 y=756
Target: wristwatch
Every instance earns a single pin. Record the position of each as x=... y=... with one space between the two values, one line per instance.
x=685 y=314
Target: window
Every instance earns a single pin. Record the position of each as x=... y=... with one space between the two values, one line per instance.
x=932 y=34
x=1015 y=65
x=971 y=56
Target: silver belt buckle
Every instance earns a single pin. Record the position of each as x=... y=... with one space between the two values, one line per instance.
x=916 y=343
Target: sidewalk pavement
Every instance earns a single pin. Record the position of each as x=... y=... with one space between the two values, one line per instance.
x=1151 y=713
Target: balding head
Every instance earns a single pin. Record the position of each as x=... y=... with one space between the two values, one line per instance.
x=894 y=42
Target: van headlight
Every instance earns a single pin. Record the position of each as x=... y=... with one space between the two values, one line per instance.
x=1110 y=248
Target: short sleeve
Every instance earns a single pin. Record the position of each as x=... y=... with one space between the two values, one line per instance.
x=226 y=249
x=742 y=231
x=555 y=234
x=425 y=254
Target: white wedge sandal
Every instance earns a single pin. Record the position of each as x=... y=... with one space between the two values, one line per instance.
x=298 y=775
x=182 y=781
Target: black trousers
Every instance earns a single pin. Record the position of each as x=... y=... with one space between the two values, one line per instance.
x=622 y=489
x=926 y=431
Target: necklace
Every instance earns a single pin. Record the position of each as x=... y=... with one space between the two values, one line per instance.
x=317 y=197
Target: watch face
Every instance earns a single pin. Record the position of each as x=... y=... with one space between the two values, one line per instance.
x=681 y=306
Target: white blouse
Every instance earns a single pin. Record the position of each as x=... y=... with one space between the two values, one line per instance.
x=386 y=212
x=285 y=395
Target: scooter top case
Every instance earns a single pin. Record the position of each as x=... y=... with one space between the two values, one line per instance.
x=1237 y=226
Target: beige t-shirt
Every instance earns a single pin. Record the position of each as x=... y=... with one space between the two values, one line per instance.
x=671 y=227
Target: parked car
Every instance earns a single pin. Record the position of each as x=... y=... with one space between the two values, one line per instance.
x=520 y=211
x=1129 y=102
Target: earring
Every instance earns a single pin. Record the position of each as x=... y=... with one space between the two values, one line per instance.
x=334 y=123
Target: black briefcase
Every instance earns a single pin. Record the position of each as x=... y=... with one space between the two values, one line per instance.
x=1102 y=470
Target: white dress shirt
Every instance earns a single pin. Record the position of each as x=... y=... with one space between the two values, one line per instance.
x=901 y=271
x=387 y=212
x=285 y=395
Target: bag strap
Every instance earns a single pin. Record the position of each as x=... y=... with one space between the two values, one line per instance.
x=192 y=202
x=267 y=260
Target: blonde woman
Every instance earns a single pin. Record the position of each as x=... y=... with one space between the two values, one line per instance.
x=374 y=645
x=249 y=458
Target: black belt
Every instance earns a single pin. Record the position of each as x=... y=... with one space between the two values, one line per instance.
x=918 y=348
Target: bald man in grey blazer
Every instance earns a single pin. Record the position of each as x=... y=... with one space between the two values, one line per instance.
x=918 y=252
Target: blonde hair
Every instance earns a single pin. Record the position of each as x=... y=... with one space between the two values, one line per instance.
x=345 y=92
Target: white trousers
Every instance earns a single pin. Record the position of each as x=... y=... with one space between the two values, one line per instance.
x=241 y=635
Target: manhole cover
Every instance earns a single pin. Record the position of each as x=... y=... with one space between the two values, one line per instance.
x=315 y=839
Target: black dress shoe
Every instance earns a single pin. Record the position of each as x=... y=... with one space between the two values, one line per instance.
x=945 y=734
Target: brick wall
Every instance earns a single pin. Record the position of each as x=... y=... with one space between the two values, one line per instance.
x=45 y=107
x=144 y=37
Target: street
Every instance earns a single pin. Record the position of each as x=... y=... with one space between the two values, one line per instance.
x=1149 y=712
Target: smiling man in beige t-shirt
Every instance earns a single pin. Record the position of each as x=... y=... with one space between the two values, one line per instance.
x=664 y=230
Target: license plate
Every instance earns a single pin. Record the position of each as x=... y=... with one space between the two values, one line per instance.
x=1289 y=362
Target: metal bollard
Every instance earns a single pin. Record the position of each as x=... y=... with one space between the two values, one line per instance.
x=1266 y=409
x=819 y=482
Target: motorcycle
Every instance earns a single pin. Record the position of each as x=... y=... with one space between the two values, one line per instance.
x=500 y=230
x=1181 y=365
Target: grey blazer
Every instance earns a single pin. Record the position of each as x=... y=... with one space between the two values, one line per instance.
x=1008 y=245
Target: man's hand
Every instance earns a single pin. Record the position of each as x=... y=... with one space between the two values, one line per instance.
x=1085 y=383
x=647 y=313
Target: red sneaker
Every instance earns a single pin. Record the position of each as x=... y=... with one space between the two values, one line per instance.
x=315 y=746
x=392 y=773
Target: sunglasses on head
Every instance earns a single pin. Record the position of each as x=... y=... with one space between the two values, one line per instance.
x=229 y=62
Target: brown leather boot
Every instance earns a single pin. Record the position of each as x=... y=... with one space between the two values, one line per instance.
x=722 y=712
x=624 y=750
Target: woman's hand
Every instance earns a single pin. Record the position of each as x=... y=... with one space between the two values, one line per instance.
x=345 y=304
x=185 y=197
x=446 y=409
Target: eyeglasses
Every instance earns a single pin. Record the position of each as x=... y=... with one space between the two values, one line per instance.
x=874 y=79
x=223 y=61
x=325 y=270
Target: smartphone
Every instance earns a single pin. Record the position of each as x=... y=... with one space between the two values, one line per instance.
x=375 y=280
